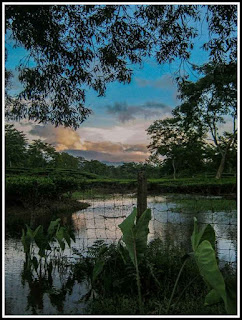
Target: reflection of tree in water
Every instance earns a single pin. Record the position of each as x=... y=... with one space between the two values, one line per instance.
x=42 y=283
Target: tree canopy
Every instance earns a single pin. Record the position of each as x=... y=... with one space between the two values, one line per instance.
x=80 y=47
x=210 y=102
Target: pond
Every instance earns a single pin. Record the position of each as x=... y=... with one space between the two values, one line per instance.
x=172 y=221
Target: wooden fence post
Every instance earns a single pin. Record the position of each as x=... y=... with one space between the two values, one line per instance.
x=141 y=193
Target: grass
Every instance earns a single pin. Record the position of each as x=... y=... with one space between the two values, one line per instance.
x=226 y=185
x=199 y=205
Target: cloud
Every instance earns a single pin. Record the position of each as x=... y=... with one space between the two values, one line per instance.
x=148 y=110
x=165 y=82
x=100 y=156
x=61 y=138
x=68 y=140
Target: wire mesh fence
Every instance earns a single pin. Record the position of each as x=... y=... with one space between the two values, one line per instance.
x=170 y=221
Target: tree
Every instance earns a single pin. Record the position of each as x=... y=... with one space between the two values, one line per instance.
x=80 y=47
x=41 y=154
x=67 y=161
x=210 y=102
x=180 y=148
x=15 y=146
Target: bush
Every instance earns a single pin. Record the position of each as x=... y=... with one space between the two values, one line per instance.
x=36 y=189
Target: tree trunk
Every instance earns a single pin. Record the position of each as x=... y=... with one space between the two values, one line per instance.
x=224 y=154
x=221 y=166
x=174 y=169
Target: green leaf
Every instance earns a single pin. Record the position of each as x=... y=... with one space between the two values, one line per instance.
x=212 y=297
x=141 y=233
x=207 y=263
x=36 y=231
x=127 y=228
x=60 y=237
x=41 y=241
x=26 y=241
x=206 y=233
x=29 y=232
x=52 y=227
x=135 y=235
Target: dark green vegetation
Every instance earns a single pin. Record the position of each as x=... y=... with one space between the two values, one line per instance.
x=206 y=104
x=135 y=277
x=88 y=46
x=197 y=205
x=114 y=288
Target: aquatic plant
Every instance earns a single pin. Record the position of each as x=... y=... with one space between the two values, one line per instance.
x=135 y=232
x=203 y=246
x=43 y=240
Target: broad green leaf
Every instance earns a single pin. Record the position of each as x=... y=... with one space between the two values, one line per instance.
x=60 y=237
x=26 y=241
x=212 y=297
x=206 y=233
x=206 y=260
x=29 y=232
x=41 y=241
x=67 y=238
x=52 y=227
x=36 y=230
x=141 y=233
x=135 y=235
x=127 y=228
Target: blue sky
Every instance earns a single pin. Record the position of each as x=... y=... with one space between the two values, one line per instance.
x=116 y=131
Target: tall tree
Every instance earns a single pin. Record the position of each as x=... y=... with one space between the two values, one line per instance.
x=78 y=47
x=67 y=161
x=209 y=103
x=182 y=148
x=41 y=154
x=15 y=146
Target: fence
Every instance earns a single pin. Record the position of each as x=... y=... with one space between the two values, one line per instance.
x=170 y=222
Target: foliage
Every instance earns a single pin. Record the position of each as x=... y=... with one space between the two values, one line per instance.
x=33 y=190
x=55 y=233
x=40 y=154
x=88 y=46
x=197 y=205
x=114 y=288
x=203 y=244
x=15 y=146
x=135 y=231
x=170 y=139
x=209 y=102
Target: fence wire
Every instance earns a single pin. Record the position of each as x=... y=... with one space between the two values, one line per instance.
x=170 y=223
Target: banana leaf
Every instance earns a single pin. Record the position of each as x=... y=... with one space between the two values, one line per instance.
x=135 y=234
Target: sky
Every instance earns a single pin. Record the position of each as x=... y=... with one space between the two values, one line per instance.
x=116 y=130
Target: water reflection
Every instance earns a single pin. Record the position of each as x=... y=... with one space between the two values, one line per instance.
x=59 y=292
x=169 y=222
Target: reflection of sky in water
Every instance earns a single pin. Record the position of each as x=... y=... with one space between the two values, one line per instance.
x=100 y=221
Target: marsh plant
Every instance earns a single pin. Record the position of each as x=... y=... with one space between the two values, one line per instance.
x=137 y=277
x=53 y=241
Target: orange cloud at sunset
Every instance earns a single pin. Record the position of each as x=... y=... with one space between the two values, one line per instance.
x=65 y=139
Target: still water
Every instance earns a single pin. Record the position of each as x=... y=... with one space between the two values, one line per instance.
x=60 y=294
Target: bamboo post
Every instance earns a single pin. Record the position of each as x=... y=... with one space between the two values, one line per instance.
x=141 y=193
